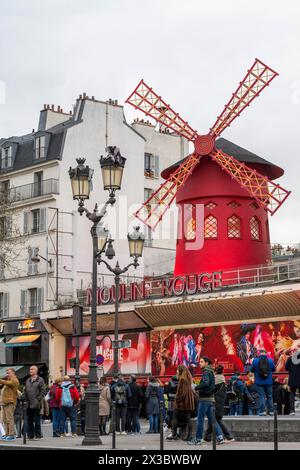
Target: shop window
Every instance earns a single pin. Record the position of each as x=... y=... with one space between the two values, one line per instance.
x=210 y=227
x=234 y=227
x=255 y=228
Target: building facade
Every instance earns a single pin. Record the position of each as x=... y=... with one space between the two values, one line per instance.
x=40 y=218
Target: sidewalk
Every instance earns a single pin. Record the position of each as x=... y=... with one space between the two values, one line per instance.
x=135 y=442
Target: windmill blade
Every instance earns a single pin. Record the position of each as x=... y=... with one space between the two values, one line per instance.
x=268 y=194
x=256 y=79
x=152 y=211
x=146 y=100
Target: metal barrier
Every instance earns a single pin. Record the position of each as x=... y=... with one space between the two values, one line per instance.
x=275 y=427
x=161 y=425
x=24 y=415
x=213 y=427
x=113 y=419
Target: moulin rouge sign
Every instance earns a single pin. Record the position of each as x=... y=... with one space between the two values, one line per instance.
x=167 y=287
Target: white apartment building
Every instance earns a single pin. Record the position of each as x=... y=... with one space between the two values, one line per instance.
x=34 y=172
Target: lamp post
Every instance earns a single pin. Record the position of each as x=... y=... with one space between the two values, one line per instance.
x=136 y=244
x=112 y=167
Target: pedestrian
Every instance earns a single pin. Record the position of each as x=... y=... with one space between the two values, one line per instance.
x=120 y=393
x=18 y=415
x=54 y=405
x=252 y=395
x=276 y=393
x=67 y=395
x=184 y=403
x=220 y=398
x=293 y=368
x=286 y=397
x=82 y=408
x=171 y=392
x=133 y=406
x=104 y=405
x=236 y=395
x=206 y=390
x=152 y=404
x=263 y=366
x=34 y=393
x=9 y=401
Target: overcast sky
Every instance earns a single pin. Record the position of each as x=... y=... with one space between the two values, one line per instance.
x=191 y=52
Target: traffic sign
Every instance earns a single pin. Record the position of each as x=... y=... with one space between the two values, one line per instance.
x=99 y=359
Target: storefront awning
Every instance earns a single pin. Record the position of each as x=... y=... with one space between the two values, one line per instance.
x=199 y=312
x=3 y=370
x=2 y=338
x=21 y=341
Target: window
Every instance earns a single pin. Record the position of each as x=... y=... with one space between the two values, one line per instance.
x=151 y=165
x=39 y=147
x=190 y=222
x=4 y=305
x=234 y=227
x=210 y=205
x=210 y=227
x=32 y=267
x=4 y=190
x=6 y=157
x=255 y=228
x=5 y=227
x=37 y=185
x=254 y=205
x=32 y=301
x=233 y=204
x=35 y=221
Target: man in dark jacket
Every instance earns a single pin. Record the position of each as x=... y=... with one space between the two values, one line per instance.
x=133 y=405
x=293 y=368
x=120 y=393
x=206 y=389
x=34 y=392
x=263 y=367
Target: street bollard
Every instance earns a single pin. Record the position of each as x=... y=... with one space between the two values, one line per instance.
x=213 y=428
x=24 y=420
x=275 y=427
x=113 y=418
x=161 y=424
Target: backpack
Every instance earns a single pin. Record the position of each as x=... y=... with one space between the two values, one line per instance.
x=120 y=394
x=66 y=399
x=231 y=393
x=263 y=367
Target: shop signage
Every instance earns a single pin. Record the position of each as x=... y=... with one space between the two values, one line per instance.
x=2 y=327
x=158 y=288
x=26 y=325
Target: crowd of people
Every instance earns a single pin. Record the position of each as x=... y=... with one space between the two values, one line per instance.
x=174 y=403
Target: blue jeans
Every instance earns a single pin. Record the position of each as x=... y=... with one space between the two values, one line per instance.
x=236 y=408
x=55 y=419
x=205 y=408
x=68 y=412
x=153 y=423
x=265 y=391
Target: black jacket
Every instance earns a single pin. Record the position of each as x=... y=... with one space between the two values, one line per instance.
x=136 y=396
x=206 y=387
x=294 y=372
x=220 y=397
x=172 y=389
x=34 y=392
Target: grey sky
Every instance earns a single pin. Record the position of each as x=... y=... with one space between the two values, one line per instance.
x=191 y=52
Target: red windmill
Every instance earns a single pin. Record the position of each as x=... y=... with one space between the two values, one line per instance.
x=236 y=200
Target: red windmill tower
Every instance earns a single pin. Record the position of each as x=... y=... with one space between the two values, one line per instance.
x=234 y=185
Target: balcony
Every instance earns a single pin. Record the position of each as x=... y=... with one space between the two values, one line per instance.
x=32 y=190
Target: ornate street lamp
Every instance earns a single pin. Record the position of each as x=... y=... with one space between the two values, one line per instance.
x=81 y=179
x=136 y=244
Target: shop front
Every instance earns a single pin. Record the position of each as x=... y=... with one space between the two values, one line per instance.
x=24 y=343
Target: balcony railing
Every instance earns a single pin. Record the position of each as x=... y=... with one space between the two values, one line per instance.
x=32 y=190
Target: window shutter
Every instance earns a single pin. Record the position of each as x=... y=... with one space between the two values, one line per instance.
x=5 y=305
x=40 y=300
x=30 y=264
x=23 y=305
x=9 y=224
x=42 y=221
x=156 y=166
x=34 y=268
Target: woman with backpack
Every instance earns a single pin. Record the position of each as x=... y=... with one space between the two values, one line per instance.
x=152 y=404
x=263 y=366
x=104 y=405
x=236 y=395
x=67 y=396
